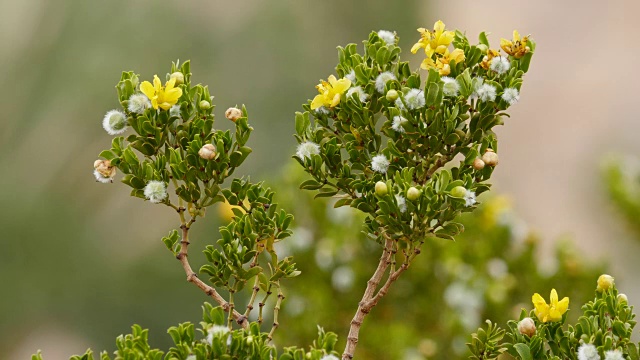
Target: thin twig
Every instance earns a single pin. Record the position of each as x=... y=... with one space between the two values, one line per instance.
x=254 y=293
x=276 y=310
x=263 y=303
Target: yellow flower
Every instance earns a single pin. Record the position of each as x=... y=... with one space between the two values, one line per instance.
x=442 y=62
x=161 y=96
x=330 y=92
x=486 y=60
x=435 y=41
x=516 y=47
x=550 y=312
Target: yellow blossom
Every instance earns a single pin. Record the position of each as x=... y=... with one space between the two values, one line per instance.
x=161 y=96
x=516 y=47
x=436 y=41
x=330 y=92
x=550 y=312
x=442 y=62
x=486 y=60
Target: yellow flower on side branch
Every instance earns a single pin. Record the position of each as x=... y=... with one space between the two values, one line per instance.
x=550 y=312
x=436 y=46
x=516 y=47
x=442 y=62
x=436 y=41
x=330 y=92
x=163 y=97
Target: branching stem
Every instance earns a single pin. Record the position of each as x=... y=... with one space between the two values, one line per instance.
x=192 y=277
x=371 y=297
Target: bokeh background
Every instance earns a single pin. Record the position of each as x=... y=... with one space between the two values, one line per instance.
x=80 y=261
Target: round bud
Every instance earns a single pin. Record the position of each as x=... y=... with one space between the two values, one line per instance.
x=233 y=114
x=204 y=105
x=413 y=194
x=459 y=191
x=527 y=327
x=178 y=76
x=249 y=339
x=207 y=152
x=483 y=48
x=478 y=164
x=381 y=188
x=392 y=95
x=622 y=298
x=605 y=282
x=490 y=158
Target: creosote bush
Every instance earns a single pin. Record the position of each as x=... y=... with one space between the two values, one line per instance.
x=432 y=154
x=411 y=152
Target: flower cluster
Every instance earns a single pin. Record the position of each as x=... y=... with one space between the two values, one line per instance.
x=436 y=48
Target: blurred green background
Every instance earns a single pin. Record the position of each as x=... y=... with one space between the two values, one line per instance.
x=81 y=262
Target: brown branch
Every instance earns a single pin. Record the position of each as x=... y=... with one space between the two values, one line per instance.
x=385 y=288
x=372 y=285
x=192 y=277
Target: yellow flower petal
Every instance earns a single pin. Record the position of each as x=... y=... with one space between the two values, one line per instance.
x=335 y=101
x=438 y=27
x=157 y=84
x=516 y=35
x=147 y=89
x=538 y=300
x=165 y=105
x=342 y=85
x=172 y=95
x=416 y=47
x=317 y=102
x=170 y=84
x=563 y=305
x=553 y=298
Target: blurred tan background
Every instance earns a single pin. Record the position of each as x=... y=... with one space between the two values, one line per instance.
x=79 y=263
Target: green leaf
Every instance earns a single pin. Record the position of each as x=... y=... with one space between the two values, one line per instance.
x=523 y=350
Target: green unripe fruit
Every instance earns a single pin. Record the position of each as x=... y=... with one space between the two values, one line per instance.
x=204 y=105
x=392 y=95
x=413 y=194
x=178 y=76
x=459 y=191
x=381 y=188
